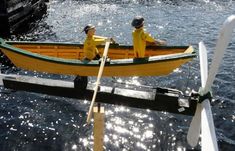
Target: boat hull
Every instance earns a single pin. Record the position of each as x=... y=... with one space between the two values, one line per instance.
x=149 y=66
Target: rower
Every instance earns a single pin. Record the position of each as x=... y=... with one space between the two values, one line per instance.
x=141 y=37
x=90 y=50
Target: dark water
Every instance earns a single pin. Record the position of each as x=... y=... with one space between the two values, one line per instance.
x=30 y=121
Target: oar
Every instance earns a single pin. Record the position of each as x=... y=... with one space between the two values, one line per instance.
x=208 y=132
x=98 y=79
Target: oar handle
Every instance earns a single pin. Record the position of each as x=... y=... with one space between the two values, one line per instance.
x=104 y=57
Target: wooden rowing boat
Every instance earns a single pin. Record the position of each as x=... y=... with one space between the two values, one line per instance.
x=66 y=58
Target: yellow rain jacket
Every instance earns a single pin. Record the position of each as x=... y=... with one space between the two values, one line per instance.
x=90 y=50
x=139 y=42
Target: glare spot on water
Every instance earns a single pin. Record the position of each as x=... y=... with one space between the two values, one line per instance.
x=84 y=141
x=74 y=125
x=50 y=128
x=180 y=148
x=121 y=109
x=119 y=121
x=141 y=116
x=85 y=102
x=233 y=117
x=135 y=81
x=13 y=129
x=30 y=124
x=178 y=70
x=137 y=136
x=135 y=129
x=119 y=80
x=207 y=1
x=106 y=138
x=141 y=145
x=165 y=113
x=148 y=134
x=109 y=125
x=131 y=122
x=170 y=124
x=116 y=143
x=74 y=147
x=109 y=112
x=100 y=23
x=121 y=130
x=114 y=136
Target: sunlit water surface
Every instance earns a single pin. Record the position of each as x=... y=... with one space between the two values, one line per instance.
x=30 y=121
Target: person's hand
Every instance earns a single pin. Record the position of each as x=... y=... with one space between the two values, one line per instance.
x=160 y=42
x=109 y=40
x=163 y=43
x=112 y=40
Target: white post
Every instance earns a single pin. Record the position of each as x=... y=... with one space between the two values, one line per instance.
x=98 y=128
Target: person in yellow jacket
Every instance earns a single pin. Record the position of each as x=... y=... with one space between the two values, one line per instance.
x=90 y=50
x=141 y=37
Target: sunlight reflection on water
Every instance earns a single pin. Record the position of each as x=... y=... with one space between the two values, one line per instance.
x=51 y=121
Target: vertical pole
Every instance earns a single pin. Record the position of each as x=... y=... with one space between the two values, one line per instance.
x=98 y=128
x=80 y=83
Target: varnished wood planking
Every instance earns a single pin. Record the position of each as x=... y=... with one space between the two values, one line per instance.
x=76 y=52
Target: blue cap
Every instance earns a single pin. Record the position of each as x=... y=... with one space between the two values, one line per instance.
x=88 y=27
x=138 y=21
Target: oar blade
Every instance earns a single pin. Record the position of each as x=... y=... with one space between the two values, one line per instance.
x=203 y=63
x=221 y=45
x=195 y=126
x=208 y=137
